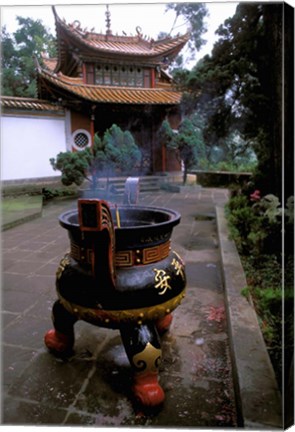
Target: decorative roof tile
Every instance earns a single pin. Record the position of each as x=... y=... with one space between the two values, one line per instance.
x=14 y=102
x=116 y=95
x=134 y=45
x=49 y=63
x=138 y=45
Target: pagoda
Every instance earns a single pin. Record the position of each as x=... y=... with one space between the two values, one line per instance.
x=106 y=79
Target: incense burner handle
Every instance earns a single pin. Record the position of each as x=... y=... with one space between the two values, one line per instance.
x=96 y=221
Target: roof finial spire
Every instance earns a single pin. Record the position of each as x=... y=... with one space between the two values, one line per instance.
x=108 y=21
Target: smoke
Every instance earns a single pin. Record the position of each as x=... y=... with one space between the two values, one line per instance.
x=115 y=190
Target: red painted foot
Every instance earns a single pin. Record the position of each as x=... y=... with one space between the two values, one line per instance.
x=147 y=390
x=58 y=342
x=164 y=323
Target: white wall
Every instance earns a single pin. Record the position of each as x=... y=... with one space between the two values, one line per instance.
x=27 y=144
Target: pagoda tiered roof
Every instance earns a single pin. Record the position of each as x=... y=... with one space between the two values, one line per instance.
x=95 y=46
x=66 y=76
x=59 y=84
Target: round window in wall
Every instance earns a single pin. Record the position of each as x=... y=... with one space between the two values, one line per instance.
x=81 y=139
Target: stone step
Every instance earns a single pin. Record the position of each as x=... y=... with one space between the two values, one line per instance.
x=146 y=184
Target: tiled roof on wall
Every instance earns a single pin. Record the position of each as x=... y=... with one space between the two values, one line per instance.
x=28 y=104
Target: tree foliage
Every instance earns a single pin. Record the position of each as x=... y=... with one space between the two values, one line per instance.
x=239 y=87
x=116 y=150
x=187 y=141
x=120 y=149
x=18 y=50
x=194 y=14
x=166 y=134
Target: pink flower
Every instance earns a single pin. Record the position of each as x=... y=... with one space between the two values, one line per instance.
x=255 y=196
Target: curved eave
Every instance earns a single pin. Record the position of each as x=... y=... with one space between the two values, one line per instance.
x=49 y=63
x=110 y=95
x=114 y=47
x=58 y=46
x=157 y=51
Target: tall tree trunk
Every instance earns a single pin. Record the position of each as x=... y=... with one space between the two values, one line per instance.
x=273 y=18
x=288 y=99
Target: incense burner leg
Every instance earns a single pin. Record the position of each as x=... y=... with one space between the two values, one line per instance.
x=164 y=323
x=61 y=338
x=143 y=349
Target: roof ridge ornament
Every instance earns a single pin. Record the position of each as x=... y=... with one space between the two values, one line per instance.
x=108 y=21
x=139 y=31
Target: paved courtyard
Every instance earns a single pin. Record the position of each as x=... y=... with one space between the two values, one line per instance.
x=93 y=386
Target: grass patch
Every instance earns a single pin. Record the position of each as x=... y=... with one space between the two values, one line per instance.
x=21 y=203
x=16 y=209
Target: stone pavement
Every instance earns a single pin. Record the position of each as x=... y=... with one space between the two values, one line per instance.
x=93 y=386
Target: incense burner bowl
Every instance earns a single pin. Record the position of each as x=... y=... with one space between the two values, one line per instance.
x=120 y=273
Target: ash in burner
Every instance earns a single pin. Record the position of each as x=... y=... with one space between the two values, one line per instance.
x=131 y=223
x=136 y=217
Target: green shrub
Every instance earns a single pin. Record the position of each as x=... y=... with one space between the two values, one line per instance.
x=256 y=224
x=49 y=193
x=228 y=166
x=117 y=150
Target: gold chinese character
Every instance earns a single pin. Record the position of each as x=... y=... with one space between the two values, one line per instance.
x=62 y=265
x=162 y=281
x=178 y=267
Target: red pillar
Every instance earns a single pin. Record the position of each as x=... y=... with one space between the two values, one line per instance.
x=163 y=158
x=92 y=131
x=84 y=73
x=152 y=78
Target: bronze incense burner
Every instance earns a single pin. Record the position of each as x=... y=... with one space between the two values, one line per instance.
x=120 y=273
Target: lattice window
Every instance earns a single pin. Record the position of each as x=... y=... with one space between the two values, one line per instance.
x=116 y=75
x=81 y=139
x=139 y=77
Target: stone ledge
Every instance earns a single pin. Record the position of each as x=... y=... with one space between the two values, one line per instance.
x=178 y=188
x=22 y=220
x=258 y=398
x=220 y=178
